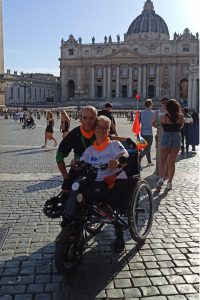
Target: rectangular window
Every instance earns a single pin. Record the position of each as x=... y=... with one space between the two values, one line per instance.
x=185 y=70
x=151 y=71
x=185 y=48
x=18 y=93
x=86 y=52
x=71 y=51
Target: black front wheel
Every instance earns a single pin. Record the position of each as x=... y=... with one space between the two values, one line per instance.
x=140 y=212
x=69 y=249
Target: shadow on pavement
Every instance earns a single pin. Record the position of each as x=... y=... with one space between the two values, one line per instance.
x=55 y=181
x=185 y=156
x=36 y=273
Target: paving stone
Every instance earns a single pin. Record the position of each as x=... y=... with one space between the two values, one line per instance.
x=150 y=291
x=114 y=293
x=131 y=293
x=185 y=288
x=42 y=296
x=122 y=283
x=141 y=281
x=158 y=280
x=35 y=288
x=191 y=278
x=167 y=289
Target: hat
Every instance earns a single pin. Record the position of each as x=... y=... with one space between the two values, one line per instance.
x=108 y=104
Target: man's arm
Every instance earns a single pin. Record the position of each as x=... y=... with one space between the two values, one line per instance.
x=63 y=151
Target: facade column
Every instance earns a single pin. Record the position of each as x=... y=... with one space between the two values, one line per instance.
x=104 y=82
x=109 y=82
x=130 y=81
x=79 y=83
x=194 y=93
x=144 y=86
x=173 y=81
x=139 y=87
x=92 y=83
x=117 y=83
x=158 y=81
x=190 y=87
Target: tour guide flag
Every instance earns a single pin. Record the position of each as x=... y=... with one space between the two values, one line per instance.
x=140 y=142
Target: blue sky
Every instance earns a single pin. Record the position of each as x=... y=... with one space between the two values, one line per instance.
x=33 y=29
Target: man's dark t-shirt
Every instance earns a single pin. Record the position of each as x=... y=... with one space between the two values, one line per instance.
x=109 y=115
x=73 y=141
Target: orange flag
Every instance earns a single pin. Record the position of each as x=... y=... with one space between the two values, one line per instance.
x=136 y=124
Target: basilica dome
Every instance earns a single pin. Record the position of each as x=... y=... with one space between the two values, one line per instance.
x=148 y=23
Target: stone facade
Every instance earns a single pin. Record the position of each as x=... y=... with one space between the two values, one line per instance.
x=145 y=62
x=32 y=89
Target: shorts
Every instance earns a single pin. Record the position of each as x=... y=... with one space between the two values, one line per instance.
x=171 y=139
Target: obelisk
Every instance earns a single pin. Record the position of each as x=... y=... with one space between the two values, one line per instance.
x=2 y=85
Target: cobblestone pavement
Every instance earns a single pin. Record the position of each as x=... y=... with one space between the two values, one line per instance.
x=165 y=268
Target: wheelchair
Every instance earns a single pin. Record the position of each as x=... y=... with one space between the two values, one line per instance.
x=135 y=212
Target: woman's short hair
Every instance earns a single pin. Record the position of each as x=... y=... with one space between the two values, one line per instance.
x=105 y=119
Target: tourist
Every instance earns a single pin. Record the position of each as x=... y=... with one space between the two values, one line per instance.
x=64 y=123
x=146 y=120
x=49 y=129
x=172 y=122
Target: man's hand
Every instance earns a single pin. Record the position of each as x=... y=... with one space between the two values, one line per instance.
x=113 y=163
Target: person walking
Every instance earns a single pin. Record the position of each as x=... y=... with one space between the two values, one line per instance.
x=156 y=123
x=193 y=138
x=172 y=122
x=185 y=131
x=146 y=120
x=49 y=130
x=64 y=123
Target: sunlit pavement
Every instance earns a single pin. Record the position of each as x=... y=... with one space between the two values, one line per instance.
x=166 y=268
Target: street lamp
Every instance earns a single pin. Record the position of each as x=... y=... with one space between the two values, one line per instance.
x=79 y=93
x=25 y=85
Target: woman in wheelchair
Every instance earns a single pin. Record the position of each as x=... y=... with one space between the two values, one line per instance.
x=110 y=184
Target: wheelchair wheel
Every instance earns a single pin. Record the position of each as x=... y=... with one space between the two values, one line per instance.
x=33 y=126
x=69 y=250
x=140 y=211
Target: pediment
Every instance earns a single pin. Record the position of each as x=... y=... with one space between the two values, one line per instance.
x=124 y=52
